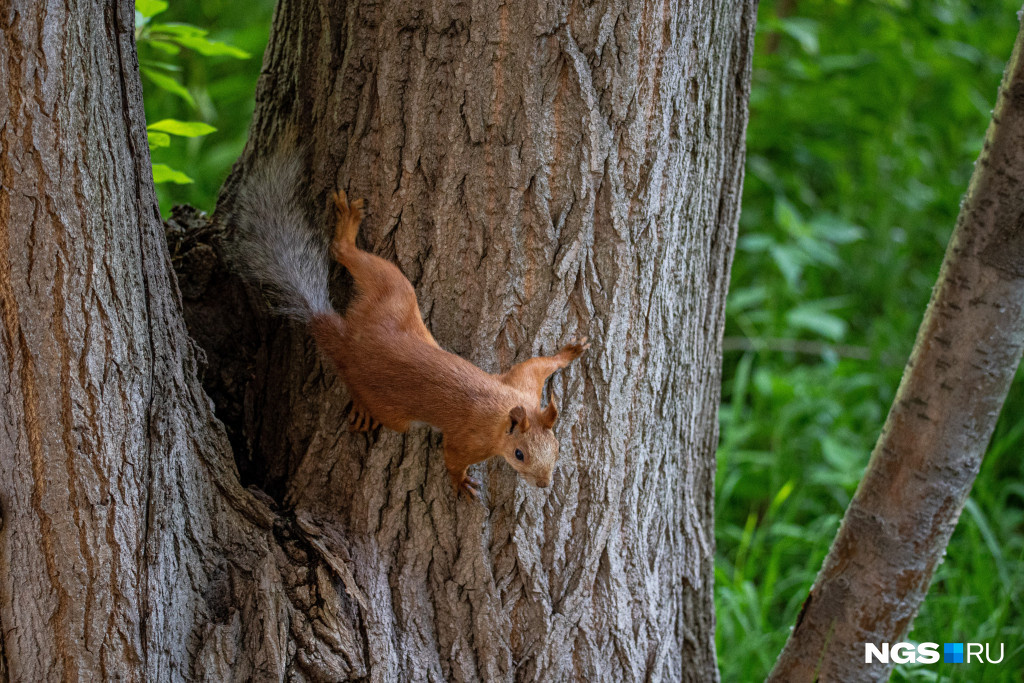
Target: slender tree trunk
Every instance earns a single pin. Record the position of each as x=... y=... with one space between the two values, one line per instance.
x=899 y=522
x=537 y=171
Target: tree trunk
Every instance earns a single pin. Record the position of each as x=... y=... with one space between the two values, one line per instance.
x=899 y=522
x=537 y=171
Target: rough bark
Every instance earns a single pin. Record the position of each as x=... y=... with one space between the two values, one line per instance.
x=128 y=548
x=77 y=355
x=899 y=522
x=537 y=171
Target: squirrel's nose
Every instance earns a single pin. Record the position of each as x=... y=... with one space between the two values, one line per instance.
x=543 y=484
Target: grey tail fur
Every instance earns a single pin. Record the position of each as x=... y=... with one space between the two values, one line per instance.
x=275 y=243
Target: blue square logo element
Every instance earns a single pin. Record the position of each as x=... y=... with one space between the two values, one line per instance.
x=953 y=653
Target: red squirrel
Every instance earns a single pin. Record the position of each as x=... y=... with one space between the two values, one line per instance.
x=395 y=371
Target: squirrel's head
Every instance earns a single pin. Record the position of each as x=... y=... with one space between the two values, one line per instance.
x=529 y=444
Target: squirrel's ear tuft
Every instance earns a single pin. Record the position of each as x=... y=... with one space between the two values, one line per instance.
x=550 y=414
x=519 y=419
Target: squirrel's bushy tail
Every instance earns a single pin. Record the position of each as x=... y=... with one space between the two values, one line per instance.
x=275 y=243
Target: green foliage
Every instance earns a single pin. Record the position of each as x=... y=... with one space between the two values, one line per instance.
x=159 y=136
x=199 y=83
x=865 y=121
x=162 y=173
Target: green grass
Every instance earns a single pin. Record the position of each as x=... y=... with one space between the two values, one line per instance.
x=779 y=507
x=865 y=122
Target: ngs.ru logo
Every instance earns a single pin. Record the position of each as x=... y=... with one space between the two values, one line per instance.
x=928 y=653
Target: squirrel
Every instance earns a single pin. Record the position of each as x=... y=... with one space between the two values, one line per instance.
x=395 y=371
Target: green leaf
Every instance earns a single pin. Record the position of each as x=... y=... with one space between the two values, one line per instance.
x=782 y=495
x=194 y=38
x=165 y=82
x=843 y=457
x=836 y=230
x=163 y=66
x=803 y=30
x=185 y=129
x=820 y=251
x=210 y=48
x=163 y=46
x=833 y=63
x=742 y=298
x=150 y=8
x=162 y=173
x=813 y=319
x=158 y=140
x=790 y=261
x=177 y=29
x=787 y=217
x=762 y=168
x=755 y=242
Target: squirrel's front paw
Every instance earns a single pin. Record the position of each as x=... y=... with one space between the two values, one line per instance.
x=575 y=348
x=360 y=419
x=470 y=487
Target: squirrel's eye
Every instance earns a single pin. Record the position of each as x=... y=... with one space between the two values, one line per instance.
x=519 y=454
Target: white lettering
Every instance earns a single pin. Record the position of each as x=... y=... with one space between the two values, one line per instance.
x=872 y=652
x=928 y=653
x=897 y=653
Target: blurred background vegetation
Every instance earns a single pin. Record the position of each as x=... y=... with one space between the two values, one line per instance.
x=866 y=118
x=208 y=78
x=865 y=121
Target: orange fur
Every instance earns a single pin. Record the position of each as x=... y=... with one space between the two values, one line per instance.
x=397 y=374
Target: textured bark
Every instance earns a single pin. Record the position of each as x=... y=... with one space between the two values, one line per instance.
x=537 y=171
x=77 y=356
x=899 y=522
x=128 y=548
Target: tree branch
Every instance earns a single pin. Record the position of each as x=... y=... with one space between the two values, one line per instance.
x=810 y=347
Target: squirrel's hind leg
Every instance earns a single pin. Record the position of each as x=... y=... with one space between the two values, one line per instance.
x=375 y=277
x=348 y=216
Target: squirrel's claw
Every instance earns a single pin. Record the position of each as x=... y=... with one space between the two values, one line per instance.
x=356 y=210
x=347 y=210
x=575 y=348
x=340 y=200
x=471 y=487
x=360 y=420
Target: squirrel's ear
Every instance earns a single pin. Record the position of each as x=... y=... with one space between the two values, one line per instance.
x=519 y=419
x=550 y=414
